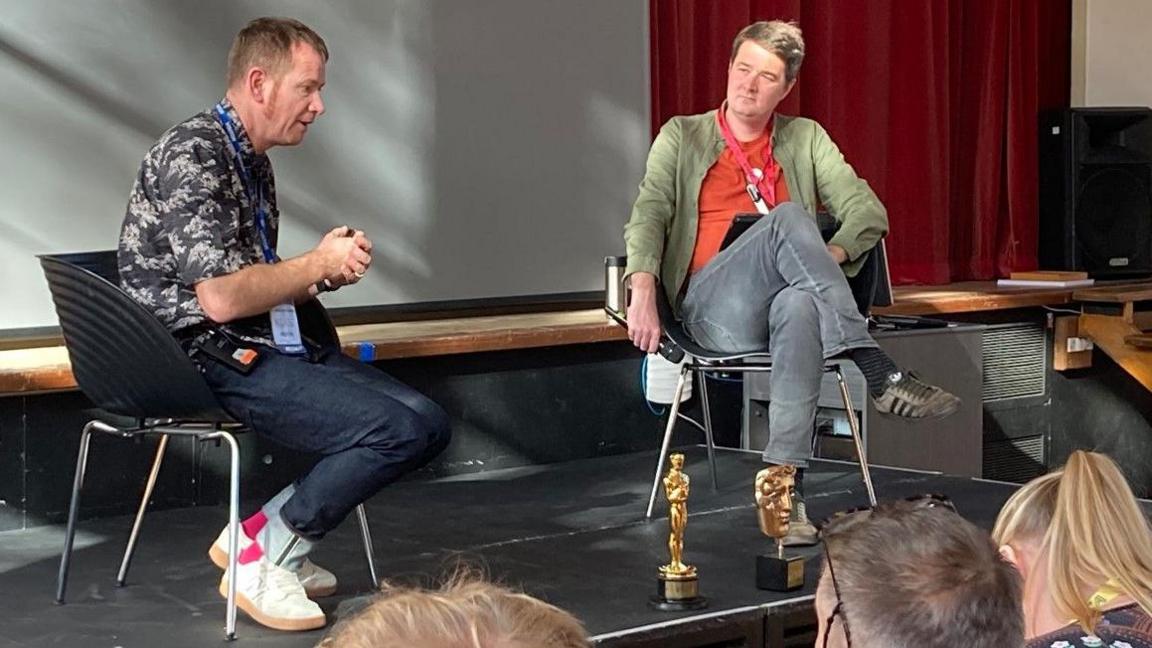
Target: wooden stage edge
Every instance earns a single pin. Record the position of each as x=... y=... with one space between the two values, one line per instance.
x=46 y=368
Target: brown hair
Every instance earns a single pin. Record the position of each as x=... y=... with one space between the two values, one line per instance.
x=267 y=43
x=914 y=575
x=1085 y=518
x=463 y=613
x=781 y=38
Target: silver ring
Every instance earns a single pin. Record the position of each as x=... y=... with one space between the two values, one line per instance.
x=359 y=275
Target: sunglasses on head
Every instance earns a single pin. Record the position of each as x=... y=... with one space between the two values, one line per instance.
x=847 y=519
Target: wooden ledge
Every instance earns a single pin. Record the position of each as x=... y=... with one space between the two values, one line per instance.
x=35 y=370
x=971 y=296
x=474 y=334
x=1141 y=292
x=47 y=369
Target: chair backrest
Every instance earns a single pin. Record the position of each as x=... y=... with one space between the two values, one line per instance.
x=315 y=323
x=123 y=358
x=871 y=286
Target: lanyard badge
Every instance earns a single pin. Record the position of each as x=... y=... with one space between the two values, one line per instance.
x=285 y=326
x=761 y=183
x=252 y=189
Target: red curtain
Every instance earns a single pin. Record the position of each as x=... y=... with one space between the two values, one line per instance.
x=934 y=102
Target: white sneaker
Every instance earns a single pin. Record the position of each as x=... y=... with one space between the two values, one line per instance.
x=273 y=597
x=317 y=581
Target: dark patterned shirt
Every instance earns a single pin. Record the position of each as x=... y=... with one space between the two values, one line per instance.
x=1126 y=627
x=189 y=219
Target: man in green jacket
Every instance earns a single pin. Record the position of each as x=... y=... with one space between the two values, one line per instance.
x=778 y=286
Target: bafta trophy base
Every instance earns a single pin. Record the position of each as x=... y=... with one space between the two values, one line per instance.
x=779 y=574
x=674 y=593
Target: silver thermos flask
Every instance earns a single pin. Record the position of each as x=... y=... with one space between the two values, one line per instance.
x=615 y=299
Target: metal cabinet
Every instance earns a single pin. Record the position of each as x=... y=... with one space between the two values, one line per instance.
x=950 y=357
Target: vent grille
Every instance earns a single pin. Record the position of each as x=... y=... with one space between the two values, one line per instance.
x=1014 y=460
x=1014 y=364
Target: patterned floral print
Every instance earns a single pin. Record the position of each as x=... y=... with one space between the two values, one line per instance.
x=189 y=219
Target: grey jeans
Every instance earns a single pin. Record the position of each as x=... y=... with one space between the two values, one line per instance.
x=777 y=288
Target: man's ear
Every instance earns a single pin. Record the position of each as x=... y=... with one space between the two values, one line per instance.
x=257 y=83
x=1008 y=553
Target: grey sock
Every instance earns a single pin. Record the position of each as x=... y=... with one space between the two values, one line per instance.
x=271 y=508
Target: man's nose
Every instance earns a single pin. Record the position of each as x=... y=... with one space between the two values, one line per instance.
x=317 y=105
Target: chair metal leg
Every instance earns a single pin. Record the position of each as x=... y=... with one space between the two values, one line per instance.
x=149 y=486
x=854 y=424
x=74 y=509
x=675 y=409
x=366 y=536
x=233 y=526
x=708 y=438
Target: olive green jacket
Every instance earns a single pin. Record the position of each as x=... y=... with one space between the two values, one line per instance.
x=661 y=234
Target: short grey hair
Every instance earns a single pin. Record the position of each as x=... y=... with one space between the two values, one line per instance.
x=781 y=38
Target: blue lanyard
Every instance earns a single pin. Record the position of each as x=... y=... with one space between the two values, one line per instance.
x=256 y=201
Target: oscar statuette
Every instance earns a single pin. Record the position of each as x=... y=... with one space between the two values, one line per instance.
x=677 y=584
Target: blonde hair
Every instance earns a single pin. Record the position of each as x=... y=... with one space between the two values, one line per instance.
x=781 y=38
x=1089 y=526
x=463 y=613
x=267 y=43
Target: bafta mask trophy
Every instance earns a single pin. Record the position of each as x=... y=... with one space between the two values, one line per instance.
x=775 y=486
x=677 y=584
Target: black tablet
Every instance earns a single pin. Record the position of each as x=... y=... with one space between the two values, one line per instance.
x=740 y=224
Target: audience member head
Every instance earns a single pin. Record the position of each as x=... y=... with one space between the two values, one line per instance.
x=781 y=38
x=914 y=573
x=465 y=612
x=1071 y=531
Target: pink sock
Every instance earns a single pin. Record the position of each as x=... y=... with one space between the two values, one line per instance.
x=250 y=554
x=254 y=524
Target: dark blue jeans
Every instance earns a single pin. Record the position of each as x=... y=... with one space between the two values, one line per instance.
x=370 y=428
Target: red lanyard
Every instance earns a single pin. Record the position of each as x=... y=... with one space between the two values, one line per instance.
x=761 y=184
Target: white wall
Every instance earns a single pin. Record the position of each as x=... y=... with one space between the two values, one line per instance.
x=489 y=148
x=1114 y=48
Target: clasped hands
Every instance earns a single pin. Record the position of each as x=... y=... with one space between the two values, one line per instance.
x=345 y=255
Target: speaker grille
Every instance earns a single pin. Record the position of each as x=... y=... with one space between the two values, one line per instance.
x=1114 y=219
x=1014 y=460
x=1014 y=364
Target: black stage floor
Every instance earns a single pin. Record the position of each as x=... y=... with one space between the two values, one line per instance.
x=573 y=534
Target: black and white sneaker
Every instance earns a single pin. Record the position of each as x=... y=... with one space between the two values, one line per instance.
x=907 y=396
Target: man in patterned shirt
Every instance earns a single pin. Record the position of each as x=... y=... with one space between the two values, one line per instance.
x=197 y=248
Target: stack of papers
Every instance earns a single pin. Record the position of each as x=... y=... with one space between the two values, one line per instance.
x=1047 y=279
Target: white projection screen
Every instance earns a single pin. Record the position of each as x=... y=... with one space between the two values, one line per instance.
x=489 y=148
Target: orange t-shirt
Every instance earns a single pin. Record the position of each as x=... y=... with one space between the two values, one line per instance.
x=723 y=195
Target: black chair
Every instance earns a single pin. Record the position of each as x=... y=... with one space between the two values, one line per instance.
x=676 y=344
x=128 y=364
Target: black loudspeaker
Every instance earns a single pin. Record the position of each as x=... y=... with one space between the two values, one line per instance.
x=1096 y=191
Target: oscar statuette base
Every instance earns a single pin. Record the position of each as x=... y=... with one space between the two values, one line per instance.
x=677 y=593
